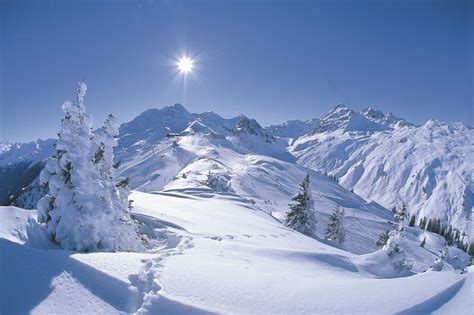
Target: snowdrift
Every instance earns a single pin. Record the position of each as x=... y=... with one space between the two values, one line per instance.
x=217 y=255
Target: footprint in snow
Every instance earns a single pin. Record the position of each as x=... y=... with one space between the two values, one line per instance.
x=146 y=281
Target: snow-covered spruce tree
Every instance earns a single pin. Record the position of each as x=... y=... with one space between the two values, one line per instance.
x=301 y=216
x=335 y=228
x=401 y=215
x=438 y=263
x=81 y=211
x=395 y=242
x=382 y=240
x=218 y=182
x=123 y=234
x=394 y=249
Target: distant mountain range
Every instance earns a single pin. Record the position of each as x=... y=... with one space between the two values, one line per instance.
x=382 y=158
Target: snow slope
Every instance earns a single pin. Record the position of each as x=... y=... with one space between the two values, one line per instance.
x=428 y=167
x=217 y=254
x=293 y=128
x=185 y=161
x=380 y=156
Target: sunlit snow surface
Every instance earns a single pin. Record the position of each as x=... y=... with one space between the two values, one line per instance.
x=224 y=249
x=214 y=253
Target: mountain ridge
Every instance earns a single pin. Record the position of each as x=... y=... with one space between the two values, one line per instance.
x=341 y=144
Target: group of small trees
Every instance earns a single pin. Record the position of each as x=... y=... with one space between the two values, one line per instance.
x=301 y=216
x=391 y=241
x=451 y=234
x=86 y=207
x=333 y=177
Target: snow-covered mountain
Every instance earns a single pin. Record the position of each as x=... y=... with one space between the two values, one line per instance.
x=388 y=160
x=248 y=162
x=210 y=196
x=389 y=119
x=20 y=164
x=378 y=156
x=293 y=128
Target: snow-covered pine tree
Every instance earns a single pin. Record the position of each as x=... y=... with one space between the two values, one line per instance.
x=335 y=228
x=412 y=221
x=395 y=249
x=401 y=216
x=122 y=233
x=396 y=241
x=438 y=263
x=79 y=212
x=218 y=182
x=401 y=213
x=382 y=240
x=65 y=173
x=301 y=216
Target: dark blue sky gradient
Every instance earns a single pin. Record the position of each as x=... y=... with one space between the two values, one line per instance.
x=270 y=60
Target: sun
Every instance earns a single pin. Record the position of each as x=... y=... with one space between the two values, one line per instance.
x=185 y=65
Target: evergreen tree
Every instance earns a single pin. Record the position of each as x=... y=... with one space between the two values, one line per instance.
x=401 y=217
x=218 y=182
x=438 y=263
x=442 y=231
x=422 y=223
x=393 y=246
x=383 y=238
x=401 y=213
x=115 y=191
x=423 y=242
x=450 y=235
x=335 y=228
x=437 y=226
x=301 y=216
x=429 y=226
x=412 y=221
x=457 y=236
x=80 y=211
x=470 y=250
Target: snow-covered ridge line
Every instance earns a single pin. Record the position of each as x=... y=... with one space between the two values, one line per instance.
x=379 y=156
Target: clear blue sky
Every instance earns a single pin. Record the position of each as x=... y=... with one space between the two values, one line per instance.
x=271 y=60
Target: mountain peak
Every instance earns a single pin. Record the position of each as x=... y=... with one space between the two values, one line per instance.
x=293 y=128
x=340 y=110
x=176 y=108
x=341 y=117
x=248 y=125
x=4 y=146
x=385 y=119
